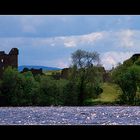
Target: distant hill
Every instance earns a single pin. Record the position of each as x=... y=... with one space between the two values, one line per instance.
x=20 y=68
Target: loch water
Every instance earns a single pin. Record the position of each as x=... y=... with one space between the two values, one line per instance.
x=97 y=115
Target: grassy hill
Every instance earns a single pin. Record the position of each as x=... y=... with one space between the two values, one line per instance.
x=109 y=96
x=110 y=93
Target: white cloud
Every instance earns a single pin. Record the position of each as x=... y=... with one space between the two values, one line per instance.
x=74 y=41
x=126 y=38
x=112 y=58
x=70 y=44
x=62 y=64
x=114 y=46
x=114 y=39
x=89 y=38
x=68 y=41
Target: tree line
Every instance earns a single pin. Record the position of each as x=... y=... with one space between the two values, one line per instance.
x=84 y=82
x=24 y=89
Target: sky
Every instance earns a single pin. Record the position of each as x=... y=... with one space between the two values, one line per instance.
x=49 y=40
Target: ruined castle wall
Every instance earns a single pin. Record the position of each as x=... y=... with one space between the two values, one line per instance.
x=10 y=59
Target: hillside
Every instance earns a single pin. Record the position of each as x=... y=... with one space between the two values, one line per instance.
x=109 y=96
x=135 y=59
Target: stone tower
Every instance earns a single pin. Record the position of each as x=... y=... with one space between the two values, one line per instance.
x=10 y=59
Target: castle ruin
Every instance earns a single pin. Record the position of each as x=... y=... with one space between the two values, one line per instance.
x=10 y=59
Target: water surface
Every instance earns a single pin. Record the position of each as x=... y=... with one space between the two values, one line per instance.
x=107 y=115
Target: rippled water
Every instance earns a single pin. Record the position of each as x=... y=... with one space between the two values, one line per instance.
x=70 y=115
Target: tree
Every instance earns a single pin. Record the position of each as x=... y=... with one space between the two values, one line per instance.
x=51 y=91
x=29 y=85
x=84 y=72
x=127 y=78
x=12 y=83
x=17 y=88
x=84 y=59
x=71 y=94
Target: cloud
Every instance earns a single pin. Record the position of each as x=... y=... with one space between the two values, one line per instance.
x=70 y=44
x=92 y=37
x=64 y=25
x=50 y=40
x=114 y=47
x=112 y=58
x=123 y=39
x=73 y=41
x=126 y=37
x=62 y=64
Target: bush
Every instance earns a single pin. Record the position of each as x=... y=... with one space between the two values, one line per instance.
x=17 y=88
x=71 y=92
x=51 y=91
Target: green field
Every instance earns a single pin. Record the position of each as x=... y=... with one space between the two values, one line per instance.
x=109 y=96
x=49 y=72
x=110 y=93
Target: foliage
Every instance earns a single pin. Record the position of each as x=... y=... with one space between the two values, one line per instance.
x=127 y=78
x=17 y=87
x=85 y=73
x=51 y=91
x=82 y=87
x=71 y=92
x=12 y=85
x=137 y=62
x=84 y=59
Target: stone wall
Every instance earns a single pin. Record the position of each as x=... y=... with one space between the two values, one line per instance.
x=10 y=59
